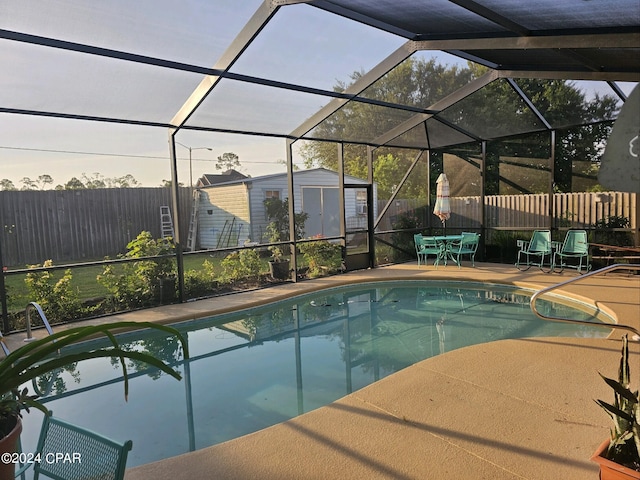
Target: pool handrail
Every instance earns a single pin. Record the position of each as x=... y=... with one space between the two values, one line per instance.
x=609 y=268
x=29 y=338
x=27 y=313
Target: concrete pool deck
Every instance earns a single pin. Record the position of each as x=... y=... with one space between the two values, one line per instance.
x=511 y=409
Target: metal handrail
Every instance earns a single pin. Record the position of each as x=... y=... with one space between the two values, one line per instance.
x=27 y=314
x=618 y=266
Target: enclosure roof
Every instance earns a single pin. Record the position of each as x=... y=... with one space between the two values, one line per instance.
x=568 y=38
x=269 y=68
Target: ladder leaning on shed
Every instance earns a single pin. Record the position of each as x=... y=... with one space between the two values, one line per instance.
x=193 y=222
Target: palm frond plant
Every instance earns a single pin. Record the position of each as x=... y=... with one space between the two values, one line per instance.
x=624 y=445
x=45 y=355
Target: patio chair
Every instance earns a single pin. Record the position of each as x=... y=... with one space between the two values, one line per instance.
x=536 y=252
x=85 y=454
x=576 y=247
x=426 y=246
x=467 y=245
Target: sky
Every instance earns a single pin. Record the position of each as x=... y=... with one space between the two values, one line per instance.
x=300 y=45
x=312 y=53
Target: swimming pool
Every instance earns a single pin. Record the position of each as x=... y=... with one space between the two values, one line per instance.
x=252 y=369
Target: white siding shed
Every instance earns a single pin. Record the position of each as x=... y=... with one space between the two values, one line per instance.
x=233 y=213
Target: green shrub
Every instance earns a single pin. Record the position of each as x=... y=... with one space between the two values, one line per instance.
x=502 y=245
x=56 y=297
x=241 y=266
x=127 y=289
x=145 y=245
x=144 y=283
x=273 y=235
x=604 y=231
x=403 y=242
x=566 y=219
x=323 y=257
x=384 y=254
x=200 y=283
x=278 y=215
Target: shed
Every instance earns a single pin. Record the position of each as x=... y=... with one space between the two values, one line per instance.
x=232 y=213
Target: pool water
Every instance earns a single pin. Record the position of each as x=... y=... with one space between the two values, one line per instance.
x=259 y=367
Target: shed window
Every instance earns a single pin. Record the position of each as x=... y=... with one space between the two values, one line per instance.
x=271 y=194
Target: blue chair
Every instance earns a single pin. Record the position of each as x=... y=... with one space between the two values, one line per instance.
x=426 y=246
x=89 y=455
x=467 y=245
x=576 y=248
x=536 y=252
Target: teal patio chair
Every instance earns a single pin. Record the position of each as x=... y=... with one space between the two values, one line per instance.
x=86 y=454
x=467 y=245
x=536 y=252
x=426 y=246
x=575 y=249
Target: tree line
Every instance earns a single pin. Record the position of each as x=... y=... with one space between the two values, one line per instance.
x=225 y=161
x=493 y=112
x=96 y=180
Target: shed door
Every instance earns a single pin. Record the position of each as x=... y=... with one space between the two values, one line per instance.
x=323 y=207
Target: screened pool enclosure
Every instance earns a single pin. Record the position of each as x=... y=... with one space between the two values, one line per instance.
x=112 y=112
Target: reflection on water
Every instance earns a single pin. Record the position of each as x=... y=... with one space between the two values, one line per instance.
x=262 y=366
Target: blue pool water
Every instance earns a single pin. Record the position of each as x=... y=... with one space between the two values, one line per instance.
x=259 y=367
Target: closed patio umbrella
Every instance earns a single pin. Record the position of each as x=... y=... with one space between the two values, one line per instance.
x=442 y=209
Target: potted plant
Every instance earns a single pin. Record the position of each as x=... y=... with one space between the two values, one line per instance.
x=278 y=231
x=278 y=265
x=45 y=355
x=619 y=457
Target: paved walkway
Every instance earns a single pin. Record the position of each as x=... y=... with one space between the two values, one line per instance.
x=512 y=409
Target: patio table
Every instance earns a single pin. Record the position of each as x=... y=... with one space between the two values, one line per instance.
x=445 y=240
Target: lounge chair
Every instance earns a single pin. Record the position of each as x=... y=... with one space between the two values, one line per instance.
x=426 y=246
x=536 y=252
x=467 y=245
x=576 y=247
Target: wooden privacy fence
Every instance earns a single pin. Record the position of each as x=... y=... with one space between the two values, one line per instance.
x=77 y=225
x=570 y=210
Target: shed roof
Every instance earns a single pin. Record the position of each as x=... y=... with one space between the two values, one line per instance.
x=297 y=176
x=213 y=179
